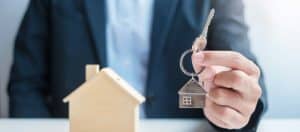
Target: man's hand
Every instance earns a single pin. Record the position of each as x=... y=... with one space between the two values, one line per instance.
x=231 y=81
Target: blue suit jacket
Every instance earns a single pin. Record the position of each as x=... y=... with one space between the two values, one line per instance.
x=57 y=38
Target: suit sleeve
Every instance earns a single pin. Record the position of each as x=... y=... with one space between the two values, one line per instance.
x=28 y=85
x=229 y=32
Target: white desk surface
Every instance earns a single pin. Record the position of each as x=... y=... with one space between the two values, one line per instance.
x=151 y=125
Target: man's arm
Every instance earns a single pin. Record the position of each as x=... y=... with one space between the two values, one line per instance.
x=229 y=32
x=29 y=74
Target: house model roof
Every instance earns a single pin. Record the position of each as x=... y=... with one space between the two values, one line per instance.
x=114 y=78
x=192 y=87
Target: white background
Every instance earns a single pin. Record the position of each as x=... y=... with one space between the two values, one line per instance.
x=275 y=40
x=275 y=30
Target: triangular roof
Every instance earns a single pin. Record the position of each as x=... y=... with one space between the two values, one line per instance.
x=192 y=87
x=123 y=85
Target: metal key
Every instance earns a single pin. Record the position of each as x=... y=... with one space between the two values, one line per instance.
x=201 y=42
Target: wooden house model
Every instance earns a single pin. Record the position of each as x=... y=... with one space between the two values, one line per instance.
x=192 y=95
x=104 y=103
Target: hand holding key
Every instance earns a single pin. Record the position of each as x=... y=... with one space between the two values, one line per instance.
x=229 y=79
x=231 y=83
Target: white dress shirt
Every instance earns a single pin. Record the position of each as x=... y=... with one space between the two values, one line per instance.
x=128 y=32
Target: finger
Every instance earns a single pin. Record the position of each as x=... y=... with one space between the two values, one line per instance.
x=232 y=99
x=197 y=64
x=230 y=59
x=214 y=119
x=238 y=81
x=210 y=71
x=197 y=57
x=231 y=118
x=208 y=75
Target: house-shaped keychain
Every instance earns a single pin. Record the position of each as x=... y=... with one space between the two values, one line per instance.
x=192 y=95
x=104 y=103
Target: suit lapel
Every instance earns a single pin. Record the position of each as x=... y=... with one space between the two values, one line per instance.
x=95 y=11
x=164 y=11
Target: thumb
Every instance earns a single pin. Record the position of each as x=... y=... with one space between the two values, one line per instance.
x=197 y=58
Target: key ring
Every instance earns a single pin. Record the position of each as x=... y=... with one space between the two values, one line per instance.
x=182 y=66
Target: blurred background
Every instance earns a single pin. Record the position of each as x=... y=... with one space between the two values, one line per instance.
x=274 y=29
